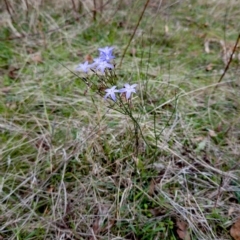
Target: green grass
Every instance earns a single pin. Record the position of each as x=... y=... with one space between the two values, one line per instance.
x=72 y=165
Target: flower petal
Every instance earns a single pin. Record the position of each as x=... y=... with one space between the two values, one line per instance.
x=128 y=94
x=113 y=96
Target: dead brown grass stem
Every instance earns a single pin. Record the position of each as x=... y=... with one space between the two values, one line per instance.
x=229 y=62
x=134 y=31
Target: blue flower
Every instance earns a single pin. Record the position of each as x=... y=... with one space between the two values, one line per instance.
x=84 y=67
x=106 y=50
x=128 y=90
x=106 y=54
x=102 y=65
x=110 y=92
x=95 y=63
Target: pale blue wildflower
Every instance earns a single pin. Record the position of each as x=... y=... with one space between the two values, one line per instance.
x=106 y=54
x=95 y=63
x=83 y=67
x=102 y=65
x=128 y=90
x=106 y=50
x=110 y=92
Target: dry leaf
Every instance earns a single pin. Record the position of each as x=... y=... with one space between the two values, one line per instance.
x=209 y=67
x=156 y=212
x=89 y=58
x=133 y=52
x=206 y=46
x=37 y=57
x=235 y=230
x=182 y=230
x=166 y=29
x=231 y=210
x=151 y=188
x=96 y=225
x=12 y=72
x=198 y=139
x=219 y=127
x=50 y=189
x=211 y=133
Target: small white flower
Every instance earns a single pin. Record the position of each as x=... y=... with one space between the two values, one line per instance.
x=111 y=92
x=102 y=65
x=84 y=67
x=106 y=54
x=128 y=89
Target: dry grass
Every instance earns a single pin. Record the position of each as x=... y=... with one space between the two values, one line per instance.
x=72 y=167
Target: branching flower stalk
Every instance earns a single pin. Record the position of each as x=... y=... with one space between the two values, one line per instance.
x=104 y=82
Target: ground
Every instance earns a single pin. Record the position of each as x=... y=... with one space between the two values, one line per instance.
x=163 y=165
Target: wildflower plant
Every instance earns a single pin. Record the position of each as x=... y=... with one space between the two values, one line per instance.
x=105 y=82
